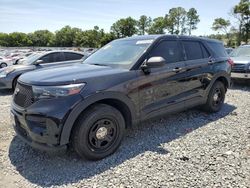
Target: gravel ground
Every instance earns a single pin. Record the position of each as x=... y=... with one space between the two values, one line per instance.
x=189 y=149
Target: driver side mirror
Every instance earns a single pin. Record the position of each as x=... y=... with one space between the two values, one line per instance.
x=153 y=62
x=38 y=62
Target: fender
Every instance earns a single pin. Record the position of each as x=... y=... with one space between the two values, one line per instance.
x=224 y=74
x=87 y=101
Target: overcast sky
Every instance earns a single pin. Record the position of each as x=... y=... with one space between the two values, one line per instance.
x=30 y=15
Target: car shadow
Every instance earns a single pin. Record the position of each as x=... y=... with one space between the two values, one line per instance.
x=46 y=170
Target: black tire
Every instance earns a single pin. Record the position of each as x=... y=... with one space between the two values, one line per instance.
x=3 y=65
x=99 y=132
x=216 y=98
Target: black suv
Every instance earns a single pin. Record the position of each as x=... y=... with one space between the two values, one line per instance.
x=88 y=106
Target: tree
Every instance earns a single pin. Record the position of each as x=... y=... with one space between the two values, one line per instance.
x=143 y=24
x=242 y=13
x=124 y=27
x=176 y=21
x=42 y=38
x=65 y=36
x=18 y=39
x=94 y=38
x=221 y=24
x=192 y=20
x=158 y=26
x=4 y=39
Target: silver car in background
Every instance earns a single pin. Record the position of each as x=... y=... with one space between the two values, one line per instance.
x=39 y=60
x=241 y=58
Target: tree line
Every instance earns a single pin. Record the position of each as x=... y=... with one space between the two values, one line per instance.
x=177 y=21
x=234 y=35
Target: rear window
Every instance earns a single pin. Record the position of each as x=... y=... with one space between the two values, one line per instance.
x=218 y=49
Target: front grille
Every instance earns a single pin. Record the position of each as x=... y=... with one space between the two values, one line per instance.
x=241 y=68
x=23 y=95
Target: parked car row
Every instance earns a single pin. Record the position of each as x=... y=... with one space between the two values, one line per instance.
x=11 y=57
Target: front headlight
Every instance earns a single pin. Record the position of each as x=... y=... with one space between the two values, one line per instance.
x=45 y=92
x=6 y=71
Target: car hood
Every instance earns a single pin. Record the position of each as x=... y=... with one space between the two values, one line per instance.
x=241 y=60
x=67 y=74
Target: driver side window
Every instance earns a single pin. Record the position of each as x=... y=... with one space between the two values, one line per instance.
x=47 y=58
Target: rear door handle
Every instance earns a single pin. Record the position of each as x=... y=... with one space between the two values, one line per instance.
x=177 y=69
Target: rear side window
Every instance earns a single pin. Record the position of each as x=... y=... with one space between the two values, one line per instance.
x=72 y=56
x=204 y=51
x=193 y=50
x=169 y=50
x=218 y=49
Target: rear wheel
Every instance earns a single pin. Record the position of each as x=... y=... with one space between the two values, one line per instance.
x=2 y=65
x=99 y=132
x=216 y=97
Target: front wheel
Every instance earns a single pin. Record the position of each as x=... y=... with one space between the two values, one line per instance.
x=3 y=65
x=99 y=132
x=216 y=97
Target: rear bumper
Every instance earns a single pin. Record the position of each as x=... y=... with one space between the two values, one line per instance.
x=240 y=75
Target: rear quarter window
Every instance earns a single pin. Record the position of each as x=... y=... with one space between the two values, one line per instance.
x=72 y=56
x=218 y=49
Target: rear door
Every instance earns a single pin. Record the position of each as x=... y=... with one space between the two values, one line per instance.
x=161 y=90
x=198 y=70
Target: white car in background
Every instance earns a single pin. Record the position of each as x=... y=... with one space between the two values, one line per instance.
x=4 y=62
x=241 y=58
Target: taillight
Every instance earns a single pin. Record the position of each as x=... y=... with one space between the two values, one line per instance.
x=230 y=62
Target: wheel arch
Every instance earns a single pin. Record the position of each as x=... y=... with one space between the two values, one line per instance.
x=114 y=99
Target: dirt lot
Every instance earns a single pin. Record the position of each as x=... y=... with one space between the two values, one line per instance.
x=189 y=149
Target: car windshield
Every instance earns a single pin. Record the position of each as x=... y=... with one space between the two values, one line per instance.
x=119 y=53
x=30 y=59
x=241 y=52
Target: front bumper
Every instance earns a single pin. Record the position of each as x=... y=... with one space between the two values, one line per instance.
x=32 y=137
x=240 y=75
x=40 y=125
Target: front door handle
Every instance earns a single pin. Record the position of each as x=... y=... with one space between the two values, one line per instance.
x=177 y=69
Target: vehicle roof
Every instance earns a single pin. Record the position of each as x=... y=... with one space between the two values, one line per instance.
x=53 y=51
x=154 y=37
